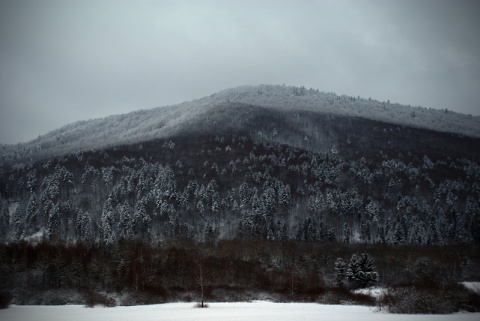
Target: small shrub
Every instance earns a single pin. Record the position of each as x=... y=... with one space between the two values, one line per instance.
x=414 y=299
x=92 y=299
x=51 y=297
x=5 y=299
x=201 y=305
x=342 y=295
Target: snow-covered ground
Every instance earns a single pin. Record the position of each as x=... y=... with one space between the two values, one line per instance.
x=474 y=286
x=373 y=292
x=260 y=310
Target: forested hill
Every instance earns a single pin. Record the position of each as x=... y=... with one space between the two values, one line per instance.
x=232 y=169
x=227 y=109
x=265 y=191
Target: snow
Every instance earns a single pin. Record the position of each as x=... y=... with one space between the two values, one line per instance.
x=474 y=286
x=373 y=292
x=259 y=310
x=36 y=237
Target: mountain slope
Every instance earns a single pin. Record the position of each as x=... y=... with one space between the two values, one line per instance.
x=216 y=110
x=260 y=188
x=254 y=172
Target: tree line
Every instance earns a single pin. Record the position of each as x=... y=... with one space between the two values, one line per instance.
x=227 y=269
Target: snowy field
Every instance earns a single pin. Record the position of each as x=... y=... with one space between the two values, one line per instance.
x=261 y=311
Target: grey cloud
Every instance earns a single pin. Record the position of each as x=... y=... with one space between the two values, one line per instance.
x=63 y=61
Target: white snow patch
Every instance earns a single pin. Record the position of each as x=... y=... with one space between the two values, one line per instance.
x=474 y=286
x=12 y=208
x=374 y=292
x=36 y=237
x=259 y=310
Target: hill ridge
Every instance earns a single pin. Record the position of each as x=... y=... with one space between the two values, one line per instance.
x=161 y=122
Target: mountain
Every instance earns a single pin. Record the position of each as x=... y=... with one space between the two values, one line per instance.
x=228 y=110
x=255 y=162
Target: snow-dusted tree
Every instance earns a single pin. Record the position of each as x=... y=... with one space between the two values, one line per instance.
x=365 y=233
x=360 y=271
x=107 y=222
x=347 y=234
x=215 y=208
x=200 y=208
x=83 y=227
x=269 y=201
x=307 y=231
x=341 y=271
x=245 y=195
x=18 y=224
x=417 y=234
x=107 y=178
x=283 y=233
x=4 y=220
x=32 y=181
x=31 y=214
x=285 y=197
x=211 y=233
x=141 y=220
x=53 y=222
x=125 y=221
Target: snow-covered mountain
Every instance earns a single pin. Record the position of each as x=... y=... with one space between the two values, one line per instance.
x=272 y=162
x=262 y=189
x=232 y=108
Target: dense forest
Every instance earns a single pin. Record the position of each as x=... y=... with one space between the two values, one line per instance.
x=224 y=188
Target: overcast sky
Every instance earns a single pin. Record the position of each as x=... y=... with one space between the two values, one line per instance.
x=63 y=61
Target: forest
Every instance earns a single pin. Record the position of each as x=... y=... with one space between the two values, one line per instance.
x=237 y=188
x=261 y=209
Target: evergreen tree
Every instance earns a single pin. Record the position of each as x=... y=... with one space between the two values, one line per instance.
x=200 y=209
x=285 y=197
x=341 y=271
x=346 y=233
x=141 y=220
x=125 y=221
x=4 y=220
x=31 y=213
x=18 y=224
x=107 y=221
x=53 y=223
x=360 y=271
x=83 y=227
x=211 y=233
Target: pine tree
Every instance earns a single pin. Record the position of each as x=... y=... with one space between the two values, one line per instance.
x=211 y=234
x=285 y=197
x=360 y=270
x=284 y=233
x=125 y=221
x=18 y=224
x=107 y=221
x=4 y=221
x=141 y=220
x=341 y=271
x=83 y=227
x=346 y=233
x=31 y=213
x=200 y=209
x=53 y=223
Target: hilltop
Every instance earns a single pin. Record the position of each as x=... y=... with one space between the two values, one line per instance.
x=230 y=108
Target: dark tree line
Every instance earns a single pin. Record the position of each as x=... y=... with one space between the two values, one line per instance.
x=294 y=270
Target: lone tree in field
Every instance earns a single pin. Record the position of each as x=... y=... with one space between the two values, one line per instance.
x=200 y=258
x=360 y=271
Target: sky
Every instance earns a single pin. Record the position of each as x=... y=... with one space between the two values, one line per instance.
x=67 y=60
